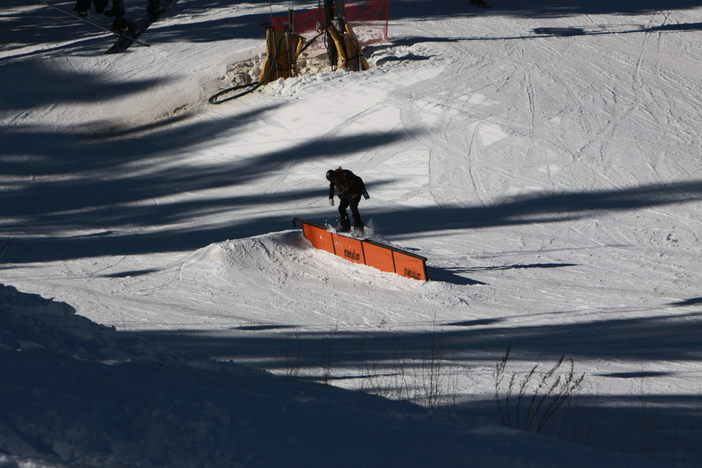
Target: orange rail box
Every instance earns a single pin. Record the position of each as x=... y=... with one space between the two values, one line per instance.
x=410 y=266
x=349 y=248
x=367 y=252
x=319 y=237
x=379 y=256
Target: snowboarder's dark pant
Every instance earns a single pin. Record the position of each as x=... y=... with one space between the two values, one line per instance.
x=344 y=224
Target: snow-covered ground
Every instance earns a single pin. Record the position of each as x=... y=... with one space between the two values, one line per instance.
x=545 y=159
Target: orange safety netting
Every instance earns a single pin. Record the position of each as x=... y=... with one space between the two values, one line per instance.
x=369 y=19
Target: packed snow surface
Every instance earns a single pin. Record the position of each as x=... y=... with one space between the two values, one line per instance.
x=158 y=307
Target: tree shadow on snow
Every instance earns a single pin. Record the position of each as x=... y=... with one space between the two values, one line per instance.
x=668 y=424
x=538 y=33
x=576 y=31
x=44 y=25
x=55 y=206
x=657 y=338
x=35 y=85
x=663 y=427
x=427 y=9
x=53 y=189
x=549 y=207
x=688 y=302
x=60 y=361
x=75 y=393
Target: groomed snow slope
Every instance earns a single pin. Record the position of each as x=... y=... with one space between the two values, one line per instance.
x=545 y=159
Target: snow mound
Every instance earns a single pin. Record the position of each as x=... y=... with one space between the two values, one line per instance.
x=279 y=258
x=264 y=256
x=292 y=283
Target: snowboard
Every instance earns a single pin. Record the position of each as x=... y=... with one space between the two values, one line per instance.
x=154 y=11
x=353 y=233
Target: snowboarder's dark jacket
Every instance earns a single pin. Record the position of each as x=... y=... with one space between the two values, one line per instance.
x=346 y=184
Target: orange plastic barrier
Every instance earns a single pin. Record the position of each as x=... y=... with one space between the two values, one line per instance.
x=410 y=266
x=319 y=237
x=367 y=252
x=349 y=248
x=379 y=256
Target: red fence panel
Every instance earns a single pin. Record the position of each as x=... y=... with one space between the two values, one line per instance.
x=369 y=19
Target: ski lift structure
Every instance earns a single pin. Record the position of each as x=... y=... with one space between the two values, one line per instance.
x=328 y=26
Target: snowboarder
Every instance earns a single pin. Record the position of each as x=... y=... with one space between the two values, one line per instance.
x=349 y=187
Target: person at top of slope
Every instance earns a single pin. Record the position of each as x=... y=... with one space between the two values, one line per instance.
x=119 y=25
x=117 y=9
x=349 y=188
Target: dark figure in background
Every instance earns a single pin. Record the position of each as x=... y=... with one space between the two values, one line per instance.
x=82 y=6
x=349 y=187
x=117 y=11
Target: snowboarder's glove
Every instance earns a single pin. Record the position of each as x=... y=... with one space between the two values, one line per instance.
x=331 y=201
x=365 y=194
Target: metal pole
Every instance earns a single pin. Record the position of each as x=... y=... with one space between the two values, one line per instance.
x=339 y=18
x=331 y=46
x=291 y=19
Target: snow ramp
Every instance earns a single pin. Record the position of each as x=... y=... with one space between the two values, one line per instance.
x=365 y=251
x=279 y=278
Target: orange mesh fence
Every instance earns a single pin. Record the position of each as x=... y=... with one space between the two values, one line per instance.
x=369 y=19
x=366 y=252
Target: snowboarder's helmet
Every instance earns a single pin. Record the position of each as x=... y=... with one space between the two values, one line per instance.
x=331 y=175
